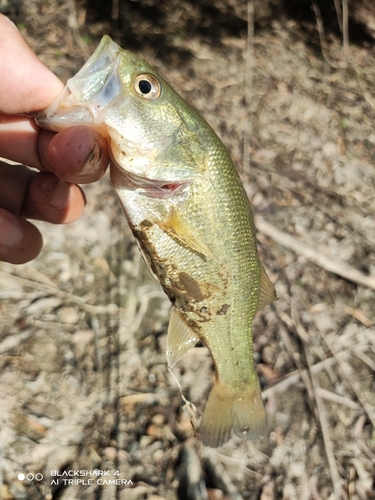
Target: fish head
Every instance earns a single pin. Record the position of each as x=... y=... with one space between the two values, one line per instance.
x=153 y=138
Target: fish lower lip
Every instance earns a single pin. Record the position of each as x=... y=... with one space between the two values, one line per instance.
x=164 y=191
x=152 y=187
x=169 y=187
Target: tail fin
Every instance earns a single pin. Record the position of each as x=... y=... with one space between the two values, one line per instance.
x=234 y=409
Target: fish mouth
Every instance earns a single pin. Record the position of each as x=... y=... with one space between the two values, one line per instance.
x=154 y=188
x=163 y=191
x=88 y=92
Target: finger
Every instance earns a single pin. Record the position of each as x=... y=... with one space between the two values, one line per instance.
x=28 y=85
x=53 y=200
x=77 y=154
x=14 y=184
x=19 y=140
x=40 y=196
x=20 y=241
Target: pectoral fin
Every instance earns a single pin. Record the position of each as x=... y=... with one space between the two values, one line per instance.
x=184 y=234
x=267 y=293
x=180 y=338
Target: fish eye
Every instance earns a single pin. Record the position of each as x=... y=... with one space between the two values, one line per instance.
x=147 y=86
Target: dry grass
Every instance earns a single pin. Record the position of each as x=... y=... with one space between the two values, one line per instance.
x=83 y=378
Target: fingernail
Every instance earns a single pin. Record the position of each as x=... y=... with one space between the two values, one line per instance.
x=91 y=163
x=56 y=192
x=60 y=196
x=10 y=231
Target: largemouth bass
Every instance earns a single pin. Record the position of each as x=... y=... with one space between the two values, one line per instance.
x=190 y=215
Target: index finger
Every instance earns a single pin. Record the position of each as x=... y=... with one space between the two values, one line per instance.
x=77 y=154
x=19 y=138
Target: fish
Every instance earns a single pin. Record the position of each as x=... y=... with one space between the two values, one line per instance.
x=187 y=208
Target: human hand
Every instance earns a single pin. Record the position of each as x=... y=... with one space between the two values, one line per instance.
x=77 y=154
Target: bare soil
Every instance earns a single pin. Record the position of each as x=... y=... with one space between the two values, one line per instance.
x=83 y=380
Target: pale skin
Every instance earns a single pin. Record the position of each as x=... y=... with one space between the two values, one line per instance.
x=76 y=155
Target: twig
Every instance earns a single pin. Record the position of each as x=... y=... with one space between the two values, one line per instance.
x=81 y=301
x=218 y=475
x=134 y=321
x=248 y=85
x=313 y=486
x=347 y=373
x=294 y=377
x=188 y=405
x=320 y=27
x=345 y=29
x=316 y=255
x=358 y=427
x=115 y=14
x=363 y=447
x=338 y=13
x=311 y=193
x=359 y=316
x=335 y=398
x=74 y=26
x=296 y=358
x=320 y=410
x=363 y=357
x=336 y=479
x=190 y=473
x=239 y=463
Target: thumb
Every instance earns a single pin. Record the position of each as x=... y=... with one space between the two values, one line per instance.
x=26 y=84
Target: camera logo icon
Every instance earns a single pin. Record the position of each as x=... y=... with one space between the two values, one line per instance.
x=30 y=477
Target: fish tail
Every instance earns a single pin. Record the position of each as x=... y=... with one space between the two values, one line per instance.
x=233 y=409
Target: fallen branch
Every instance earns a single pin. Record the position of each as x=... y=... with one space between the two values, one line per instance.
x=316 y=254
x=294 y=377
x=348 y=374
x=7 y=278
x=337 y=481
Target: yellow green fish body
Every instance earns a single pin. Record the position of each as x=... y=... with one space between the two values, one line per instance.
x=191 y=217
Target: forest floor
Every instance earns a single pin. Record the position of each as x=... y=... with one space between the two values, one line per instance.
x=83 y=378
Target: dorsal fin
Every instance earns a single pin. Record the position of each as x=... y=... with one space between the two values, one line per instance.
x=267 y=293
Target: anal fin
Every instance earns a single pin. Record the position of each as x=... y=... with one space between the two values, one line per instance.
x=180 y=338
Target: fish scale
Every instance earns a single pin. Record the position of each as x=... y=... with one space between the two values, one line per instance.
x=190 y=215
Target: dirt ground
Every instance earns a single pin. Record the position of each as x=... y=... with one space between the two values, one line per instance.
x=83 y=380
